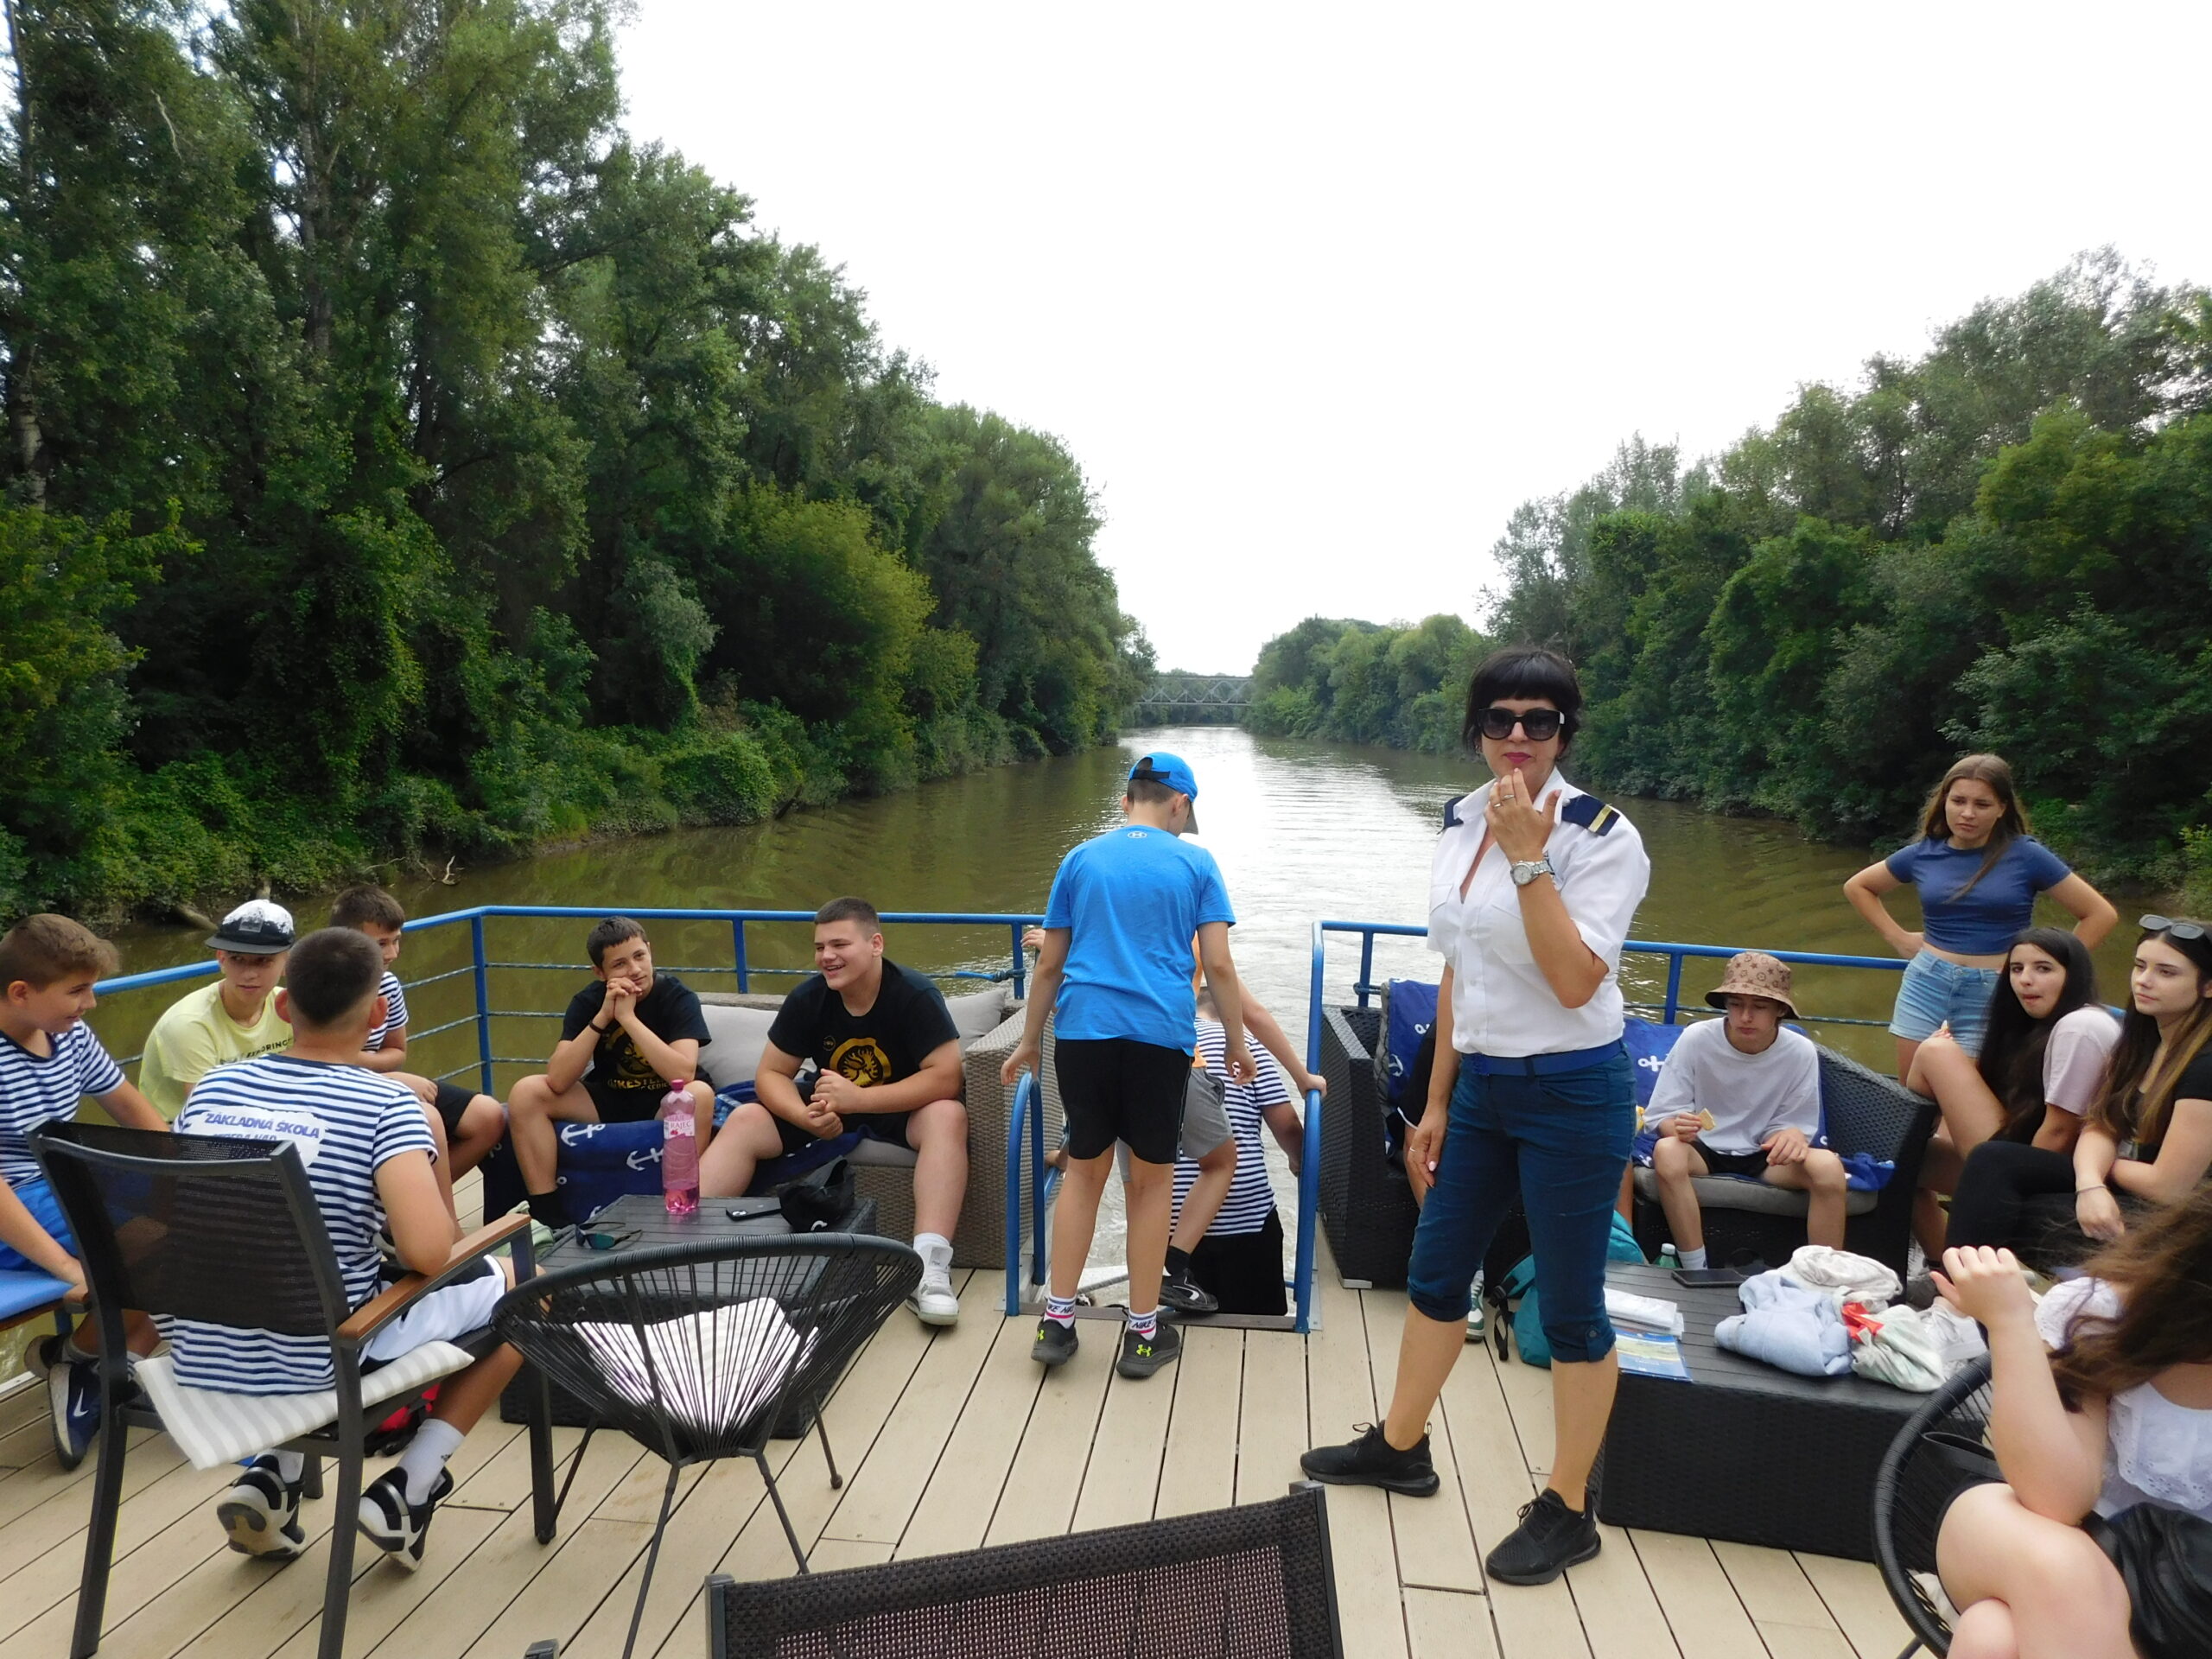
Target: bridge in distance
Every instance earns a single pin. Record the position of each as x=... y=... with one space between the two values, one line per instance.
x=1207 y=698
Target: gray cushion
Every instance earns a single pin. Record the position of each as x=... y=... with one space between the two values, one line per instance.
x=739 y=1035
x=1728 y=1193
x=977 y=1013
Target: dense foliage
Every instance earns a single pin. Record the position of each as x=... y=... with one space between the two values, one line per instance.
x=403 y=458
x=2005 y=545
x=1366 y=683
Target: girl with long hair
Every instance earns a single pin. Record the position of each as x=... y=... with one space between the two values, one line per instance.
x=2085 y=1549
x=1978 y=870
x=2037 y=1074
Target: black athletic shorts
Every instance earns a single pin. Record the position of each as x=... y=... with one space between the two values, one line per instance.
x=875 y=1125
x=452 y=1101
x=1751 y=1165
x=1117 y=1089
x=1244 y=1270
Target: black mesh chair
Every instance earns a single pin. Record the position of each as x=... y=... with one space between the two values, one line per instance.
x=228 y=1231
x=694 y=1351
x=1940 y=1452
x=1254 y=1582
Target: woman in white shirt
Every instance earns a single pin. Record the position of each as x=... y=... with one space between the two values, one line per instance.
x=2106 y=1450
x=1531 y=893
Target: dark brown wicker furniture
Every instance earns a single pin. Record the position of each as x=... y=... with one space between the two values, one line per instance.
x=1743 y=1451
x=229 y=1231
x=1939 y=1451
x=1254 y=1582
x=1865 y=1112
x=1367 y=1208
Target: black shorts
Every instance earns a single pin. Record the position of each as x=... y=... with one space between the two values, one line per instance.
x=1118 y=1089
x=625 y=1105
x=1244 y=1270
x=1751 y=1165
x=452 y=1101
x=875 y=1125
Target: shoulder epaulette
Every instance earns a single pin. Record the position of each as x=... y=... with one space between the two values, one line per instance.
x=1591 y=813
x=1452 y=819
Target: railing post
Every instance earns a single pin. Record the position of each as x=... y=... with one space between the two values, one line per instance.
x=1309 y=1170
x=1020 y=963
x=1040 y=1245
x=737 y=954
x=1673 y=984
x=1366 y=966
x=1016 y=1123
x=483 y=1006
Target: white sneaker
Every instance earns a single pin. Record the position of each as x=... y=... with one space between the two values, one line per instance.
x=933 y=1301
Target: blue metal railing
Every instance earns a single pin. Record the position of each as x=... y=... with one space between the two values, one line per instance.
x=1364 y=987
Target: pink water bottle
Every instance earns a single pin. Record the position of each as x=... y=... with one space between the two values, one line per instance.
x=679 y=1151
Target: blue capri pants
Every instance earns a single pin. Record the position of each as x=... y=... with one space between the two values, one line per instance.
x=1559 y=1142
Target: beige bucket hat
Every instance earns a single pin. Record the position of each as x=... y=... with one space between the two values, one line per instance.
x=1754 y=973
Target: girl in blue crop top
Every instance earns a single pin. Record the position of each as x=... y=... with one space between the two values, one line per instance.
x=1978 y=870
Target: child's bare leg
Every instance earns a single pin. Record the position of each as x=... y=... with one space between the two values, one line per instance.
x=1075 y=1218
x=1674 y=1162
x=532 y=1111
x=1822 y=1177
x=483 y=1123
x=2029 y=1587
x=1939 y=1165
x=1207 y=1194
x=1150 y=1193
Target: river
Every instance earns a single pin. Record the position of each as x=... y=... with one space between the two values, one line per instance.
x=1302 y=829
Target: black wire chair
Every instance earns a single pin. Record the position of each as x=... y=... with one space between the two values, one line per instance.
x=1254 y=1582
x=694 y=1350
x=228 y=1232
x=1940 y=1451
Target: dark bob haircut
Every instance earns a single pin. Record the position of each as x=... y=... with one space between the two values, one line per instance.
x=1523 y=671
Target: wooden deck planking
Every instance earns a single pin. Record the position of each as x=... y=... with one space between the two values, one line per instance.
x=947 y=1440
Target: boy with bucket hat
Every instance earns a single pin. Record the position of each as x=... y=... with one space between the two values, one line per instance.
x=233 y=1019
x=1115 y=971
x=1740 y=1096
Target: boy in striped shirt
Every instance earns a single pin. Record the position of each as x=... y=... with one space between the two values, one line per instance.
x=1228 y=1241
x=49 y=1061
x=465 y=1124
x=368 y=1152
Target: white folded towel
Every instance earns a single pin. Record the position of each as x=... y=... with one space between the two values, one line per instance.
x=1642 y=1313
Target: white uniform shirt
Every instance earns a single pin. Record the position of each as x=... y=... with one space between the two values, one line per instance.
x=1501 y=1004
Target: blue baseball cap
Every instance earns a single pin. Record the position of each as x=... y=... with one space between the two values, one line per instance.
x=1175 y=772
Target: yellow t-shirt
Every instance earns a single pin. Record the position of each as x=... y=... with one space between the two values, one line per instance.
x=194 y=1036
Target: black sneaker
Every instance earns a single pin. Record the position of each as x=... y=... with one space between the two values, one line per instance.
x=1055 y=1343
x=261 y=1514
x=395 y=1526
x=1142 y=1356
x=72 y=1399
x=1187 y=1297
x=1550 y=1539
x=1370 y=1460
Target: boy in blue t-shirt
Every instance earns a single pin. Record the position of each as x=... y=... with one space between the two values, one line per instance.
x=368 y=1150
x=49 y=1061
x=1114 y=973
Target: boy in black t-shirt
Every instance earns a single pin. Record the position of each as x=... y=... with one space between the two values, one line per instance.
x=887 y=1063
x=624 y=1039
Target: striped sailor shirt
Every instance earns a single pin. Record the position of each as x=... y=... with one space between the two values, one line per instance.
x=1251 y=1197
x=37 y=1090
x=395 y=1013
x=347 y=1122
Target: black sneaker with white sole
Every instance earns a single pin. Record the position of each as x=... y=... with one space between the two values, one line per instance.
x=1187 y=1297
x=261 y=1514
x=1055 y=1343
x=1370 y=1460
x=394 y=1525
x=1142 y=1356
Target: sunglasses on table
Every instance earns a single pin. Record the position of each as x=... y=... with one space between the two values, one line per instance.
x=601 y=1239
x=2172 y=926
x=1540 y=724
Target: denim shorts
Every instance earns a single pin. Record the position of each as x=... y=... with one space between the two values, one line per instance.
x=1936 y=991
x=1560 y=1143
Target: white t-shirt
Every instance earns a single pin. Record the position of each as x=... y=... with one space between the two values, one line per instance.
x=2156 y=1451
x=2074 y=1059
x=1501 y=1003
x=1750 y=1096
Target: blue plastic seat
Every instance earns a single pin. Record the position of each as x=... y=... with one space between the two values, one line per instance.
x=24 y=1293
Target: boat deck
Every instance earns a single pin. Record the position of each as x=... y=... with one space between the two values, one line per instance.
x=948 y=1441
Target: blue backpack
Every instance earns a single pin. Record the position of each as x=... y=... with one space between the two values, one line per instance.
x=1527 y=1319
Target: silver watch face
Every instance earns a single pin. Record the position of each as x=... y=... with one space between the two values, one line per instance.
x=1523 y=874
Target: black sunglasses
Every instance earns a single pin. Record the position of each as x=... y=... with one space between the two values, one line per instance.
x=2169 y=926
x=1541 y=724
x=604 y=1241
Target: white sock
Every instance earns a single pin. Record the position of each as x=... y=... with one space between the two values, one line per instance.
x=936 y=1251
x=1693 y=1258
x=426 y=1454
x=290 y=1466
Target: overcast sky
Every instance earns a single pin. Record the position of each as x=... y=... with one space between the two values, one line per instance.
x=1316 y=295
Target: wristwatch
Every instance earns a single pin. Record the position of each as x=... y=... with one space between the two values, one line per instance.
x=1528 y=869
